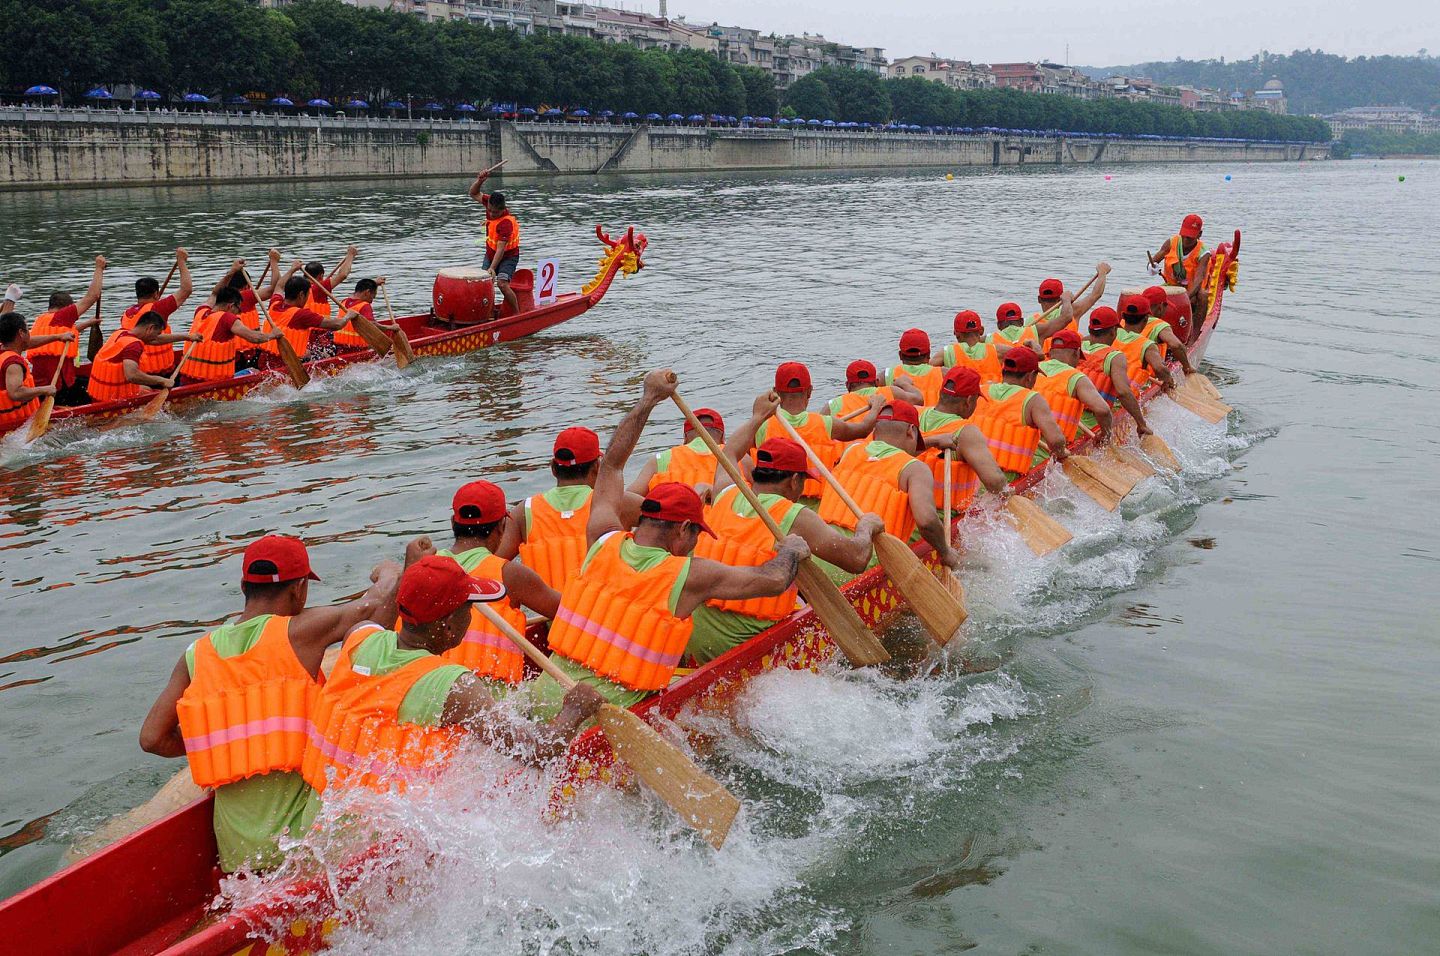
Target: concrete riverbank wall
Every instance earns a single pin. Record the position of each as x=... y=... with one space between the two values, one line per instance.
x=49 y=148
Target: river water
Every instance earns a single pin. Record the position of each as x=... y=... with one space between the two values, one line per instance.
x=1213 y=727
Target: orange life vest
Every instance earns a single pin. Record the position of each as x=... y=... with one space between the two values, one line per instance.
x=249 y=714
x=1178 y=272
x=1012 y=442
x=1067 y=409
x=346 y=335
x=964 y=482
x=210 y=360
x=928 y=382
x=158 y=359
x=744 y=542
x=319 y=303
x=1151 y=332
x=851 y=402
x=1027 y=334
x=687 y=466
x=987 y=366
x=1134 y=347
x=107 y=372
x=45 y=324
x=874 y=483
x=251 y=318
x=617 y=622
x=358 y=737
x=554 y=544
x=1095 y=365
x=817 y=436
x=12 y=414
x=299 y=339
x=492 y=235
x=485 y=650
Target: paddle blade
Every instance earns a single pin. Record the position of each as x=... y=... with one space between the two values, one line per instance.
x=96 y=342
x=40 y=424
x=1041 y=533
x=1083 y=473
x=1205 y=386
x=1211 y=412
x=697 y=797
x=293 y=366
x=1132 y=459
x=373 y=335
x=1154 y=446
x=856 y=641
x=1114 y=458
x=404 y=354
x=152 y=407
x=933 y=604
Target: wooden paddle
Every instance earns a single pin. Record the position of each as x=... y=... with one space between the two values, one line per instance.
x=373 y=335
x=1155 y=446
x=943 y=574
x=1210 y=411
x=1041 y=533
x=293 y=366
x=170 y=275
x=97 y=338
x=1201 y=387
x=699 y=799
x=850 y=634
x=40 y=421
x=936 y=607
x=152 y=407
x=1102 y=484
x=404 y=355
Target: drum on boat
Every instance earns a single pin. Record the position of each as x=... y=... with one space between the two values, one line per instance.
x=1178 y=312
x=464 y=296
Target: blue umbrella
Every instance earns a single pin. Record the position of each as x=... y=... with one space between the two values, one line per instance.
x=465 y=108
x=195 y=98
x=828 y=122
x=637 y=116
x=318 y=102
x=747 y=119
x=607 y=113
x=434 y=107
x=696 y=118
x=674 y=116
x=653 y=116
x=236 y=100
x=529 y=111
x=357 y=104
x=580 y=113
x=42 y=90
x=394 y=105
x=282 y=101
x=99 y=93
x=783 y=121
x=812 y=122
x=554 y=111
x=147 y=95
x=763 y=119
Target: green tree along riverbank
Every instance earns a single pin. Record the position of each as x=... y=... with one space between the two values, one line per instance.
x=1374 y=142
x=326 y=48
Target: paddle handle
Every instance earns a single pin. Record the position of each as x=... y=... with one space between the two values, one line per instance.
x=259 y=306
x=491 y=169
x=386 y=296
x=168 y=276
x=947 y=499
x=323 y=291
x=97 y=338
x=728 y=463
x=175 y=376
x=522 y=642
x=820 y=466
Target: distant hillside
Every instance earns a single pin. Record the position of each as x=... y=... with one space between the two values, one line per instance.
x=1315 y=82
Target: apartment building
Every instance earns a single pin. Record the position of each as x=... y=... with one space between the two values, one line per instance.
x=956 y=74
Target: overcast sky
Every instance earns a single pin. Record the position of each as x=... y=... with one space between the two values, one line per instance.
x=1099 y=32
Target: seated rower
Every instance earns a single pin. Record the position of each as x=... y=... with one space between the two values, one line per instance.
x=970 y=348
x=318 y=302
x=741 y=538
x=221 y=331
x=883 y=476
x=689 y=463
x=861 y=381
x=115 y=374
x=625 y=620
x=21 y=397
x=478 y=515
x=915 y=363
x=296 y=319
x=159 y=359
x=1050 y=297
x=1011 y=330
x=1014 y=417
x=393 y=710
x=1152 y=325
x=547 y=531
x=1183 y=261
x=826 y=434
x=1072 y=397
x=1142 y=354
x=1108 y=368
x=947 y=426
x=362 y=301
x=64 y=313
x=251 y=754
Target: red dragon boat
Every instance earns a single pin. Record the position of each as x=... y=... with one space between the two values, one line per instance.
x=459 y=322
x=150 y=893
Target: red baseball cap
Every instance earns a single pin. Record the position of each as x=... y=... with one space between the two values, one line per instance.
x=1155 y=295
x=1104 y=318
x=782 y=454
x=1051 y=289
x=968 y=320
x=1021 y=360
x=576 y=446
x=860 y=371
x=961 y=381
x=709 y=418
x=672 y=501
x=1134 y=306
x=1009 y=310
x=1192 y=226
x=433 y=587
x=1065 y=339
x=898 y=411
x=915 y=342
x=276 y=558
x=792 y=377
x=479 y=502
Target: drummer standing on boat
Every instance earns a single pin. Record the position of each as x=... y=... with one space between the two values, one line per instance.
x=1183 y=261
x=502 y=238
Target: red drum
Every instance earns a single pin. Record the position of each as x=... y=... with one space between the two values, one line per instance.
x=464 y=296
x=1178 y=312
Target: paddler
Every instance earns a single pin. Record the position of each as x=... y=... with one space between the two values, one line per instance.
x=689 y=463
x=1011 y=330
x=863 y=380
x=502 y=239
x=970 y=348
x=21 y=398
x=115 y=375
x=318 y=302
x=1152 y=325
x=1183 y=261
x=1107 y=367
x=251 y=753
x=883 y=476
x=625 y=620
x=222 y=331
x=362 y=301
x=291 y=314
x=1050 y=296
x=1015 y=418
x=64 y=313
x=393 y=709
x=247 y=354
x=915 y=363
x=159 y=359
x=741 y=538
x=1072 y=397
x=947 y=426
x=1142 y=353
x=826 y=434
x=478 y=516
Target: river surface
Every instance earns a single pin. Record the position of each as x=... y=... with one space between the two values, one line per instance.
x=1215 y=722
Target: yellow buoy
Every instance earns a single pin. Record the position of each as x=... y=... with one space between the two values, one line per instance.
x=949 y=176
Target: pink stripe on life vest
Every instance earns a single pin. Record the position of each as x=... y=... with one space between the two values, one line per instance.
x=486 y=639
x=616 y=640
x=255 y=728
